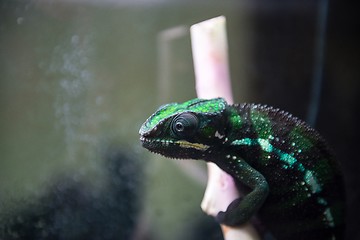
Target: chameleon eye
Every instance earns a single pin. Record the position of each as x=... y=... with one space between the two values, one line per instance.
x=184 y=124
x=179 y=127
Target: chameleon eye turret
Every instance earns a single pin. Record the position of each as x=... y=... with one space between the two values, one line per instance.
x=184 y=125
x=296 y=186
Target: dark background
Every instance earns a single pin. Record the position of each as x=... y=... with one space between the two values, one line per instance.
x=279 y=57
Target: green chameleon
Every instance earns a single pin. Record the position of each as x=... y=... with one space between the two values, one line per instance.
x=284 y=168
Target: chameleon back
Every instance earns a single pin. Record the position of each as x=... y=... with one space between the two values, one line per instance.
x=306 y=197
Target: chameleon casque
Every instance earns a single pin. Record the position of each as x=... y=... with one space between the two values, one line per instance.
x=290 y=179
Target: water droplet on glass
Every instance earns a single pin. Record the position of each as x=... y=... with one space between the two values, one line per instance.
x=20 y=20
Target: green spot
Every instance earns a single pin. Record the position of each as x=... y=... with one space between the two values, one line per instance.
x=311 y=180
x=329 y=217
x=212 y=106
x=265 y=145
x=261 y=123
x=235 y=120
x=244 y=141
x=290 y=160
x=208 y=131
x=299 y=139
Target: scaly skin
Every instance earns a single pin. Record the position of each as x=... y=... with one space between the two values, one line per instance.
x=290 y=178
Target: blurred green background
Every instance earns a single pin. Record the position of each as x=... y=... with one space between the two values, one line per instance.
x=78 y=78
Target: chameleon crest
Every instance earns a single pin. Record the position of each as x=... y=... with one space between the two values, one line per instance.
x=283 y=167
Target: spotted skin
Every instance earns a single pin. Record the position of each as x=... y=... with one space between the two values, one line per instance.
x=285 y=169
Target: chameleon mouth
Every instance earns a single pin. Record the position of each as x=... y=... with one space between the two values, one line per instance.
x=149 y=141
x=152 y=143
x=160 y=146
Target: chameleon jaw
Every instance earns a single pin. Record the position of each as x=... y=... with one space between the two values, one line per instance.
x=148 y=141
x=180 y=143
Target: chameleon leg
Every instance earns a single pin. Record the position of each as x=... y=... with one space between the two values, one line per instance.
x=242 y=209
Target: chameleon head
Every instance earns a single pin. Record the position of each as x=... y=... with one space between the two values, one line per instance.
x=186 y=130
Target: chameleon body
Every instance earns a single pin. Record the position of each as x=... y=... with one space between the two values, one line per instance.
x=290 y=179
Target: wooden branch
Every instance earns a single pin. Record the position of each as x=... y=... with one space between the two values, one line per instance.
x=210 y=54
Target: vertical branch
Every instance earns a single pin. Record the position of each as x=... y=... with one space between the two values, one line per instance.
x=210 y=54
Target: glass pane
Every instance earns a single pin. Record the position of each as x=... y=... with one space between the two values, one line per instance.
x=78 y=78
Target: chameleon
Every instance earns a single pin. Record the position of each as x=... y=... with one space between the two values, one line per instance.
x=290 y=179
